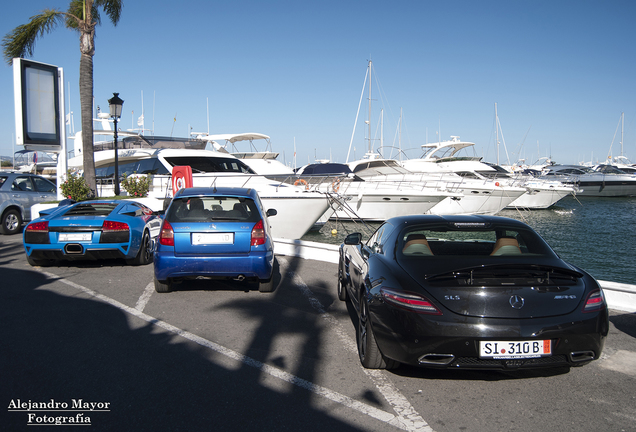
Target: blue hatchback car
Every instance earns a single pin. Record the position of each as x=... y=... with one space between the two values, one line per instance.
x=215 y=233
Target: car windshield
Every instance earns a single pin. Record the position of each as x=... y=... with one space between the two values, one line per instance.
x=91 y=209
x=463 y=240
x=213 y=209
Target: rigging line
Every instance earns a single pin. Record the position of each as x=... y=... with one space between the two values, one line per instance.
x=504 y=141
x=357 y=114
x=609 y=154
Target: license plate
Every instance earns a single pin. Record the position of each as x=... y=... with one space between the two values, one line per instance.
x=515 y=349
x=212 y=238
x=75 y=237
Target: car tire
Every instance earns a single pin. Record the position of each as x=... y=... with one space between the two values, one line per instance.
x=144 y=256
x=370 y=355
x=342 y=285
x=266 y=285
x=11 y=222
x=162 y=286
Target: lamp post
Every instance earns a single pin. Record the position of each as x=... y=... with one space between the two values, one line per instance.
x=115 y=104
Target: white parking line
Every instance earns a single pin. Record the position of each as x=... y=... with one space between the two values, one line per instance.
x=143 y=299
x=397 y=421
x=407 y=418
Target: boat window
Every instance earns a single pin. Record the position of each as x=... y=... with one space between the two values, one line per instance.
x=467 y=174
x=609 y=169
x=143 y=166
x=201 y=164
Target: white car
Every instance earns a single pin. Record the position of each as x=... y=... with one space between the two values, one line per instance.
x=18 y=192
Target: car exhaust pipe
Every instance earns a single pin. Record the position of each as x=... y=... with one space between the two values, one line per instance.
x=74 y=249
x=240 y=278
x=582 y=356
x=436 y=359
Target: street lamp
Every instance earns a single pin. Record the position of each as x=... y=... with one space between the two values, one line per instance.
x=115 y=104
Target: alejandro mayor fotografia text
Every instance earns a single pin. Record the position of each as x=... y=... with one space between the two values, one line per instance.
x=58 y=411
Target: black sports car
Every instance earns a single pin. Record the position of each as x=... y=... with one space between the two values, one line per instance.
x=479 y=292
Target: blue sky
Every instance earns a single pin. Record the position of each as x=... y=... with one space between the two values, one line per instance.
x=561 y=72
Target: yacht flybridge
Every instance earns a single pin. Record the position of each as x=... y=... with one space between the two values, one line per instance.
x=261 y=161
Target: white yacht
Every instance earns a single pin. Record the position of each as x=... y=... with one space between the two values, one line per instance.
x=371 y=200
x=298 y=208
x=449 y=157
x=471 y=196
x=604 y=181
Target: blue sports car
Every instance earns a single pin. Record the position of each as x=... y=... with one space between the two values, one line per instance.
x=100 y=229
x=215 y=233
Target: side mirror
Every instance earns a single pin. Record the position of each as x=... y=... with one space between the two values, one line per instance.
x=353 y=239
x=271 y=212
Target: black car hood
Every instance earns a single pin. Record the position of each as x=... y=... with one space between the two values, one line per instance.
x=510 y=289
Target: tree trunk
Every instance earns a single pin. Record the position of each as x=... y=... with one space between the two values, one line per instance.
x=87 y=48
x=86 y=98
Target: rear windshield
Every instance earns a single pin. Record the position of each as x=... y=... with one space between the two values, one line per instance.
x=463 y=242
x=208 y=209
x=91 y=209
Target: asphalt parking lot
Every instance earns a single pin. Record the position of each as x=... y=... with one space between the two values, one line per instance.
x=96 y=341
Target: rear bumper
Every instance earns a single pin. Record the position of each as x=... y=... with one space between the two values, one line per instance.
x=451 y=341
x=78 y=251
x=253 y=265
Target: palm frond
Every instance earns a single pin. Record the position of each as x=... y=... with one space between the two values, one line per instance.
x=112 y=8
x=75 y=14
x=21 y=41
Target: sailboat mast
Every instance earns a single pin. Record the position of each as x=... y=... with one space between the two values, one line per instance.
x=369 y=122
x=382 y=129
x=497 y=131
x=622 y=130
x=400 y=135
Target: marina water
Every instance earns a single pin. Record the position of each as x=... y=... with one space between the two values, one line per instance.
x=596 y=234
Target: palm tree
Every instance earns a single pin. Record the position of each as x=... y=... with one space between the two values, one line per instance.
x=82 y=16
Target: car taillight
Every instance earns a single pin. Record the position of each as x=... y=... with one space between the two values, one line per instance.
x=114 y=232
x=166 y=237
x=595 y=302
x=410 y=301
x=115 y=226
x=38 y=227
x=37 y=233
x=258 y=234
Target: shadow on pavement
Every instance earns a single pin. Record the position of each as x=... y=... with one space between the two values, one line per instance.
x=59 y=347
